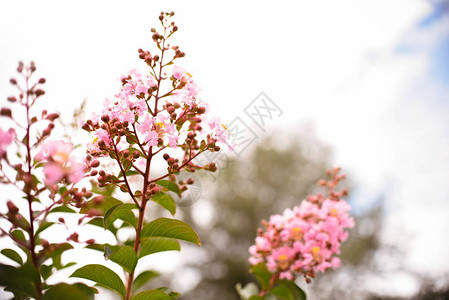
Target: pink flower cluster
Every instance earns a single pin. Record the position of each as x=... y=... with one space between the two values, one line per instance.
x=133 y=105
x=59 y=163
x=307 y=238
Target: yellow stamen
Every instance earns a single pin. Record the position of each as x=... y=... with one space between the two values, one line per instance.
x=283 y=261
x=333 y=212
x=296 y=233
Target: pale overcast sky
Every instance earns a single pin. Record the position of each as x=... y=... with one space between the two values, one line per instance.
x=371 y=76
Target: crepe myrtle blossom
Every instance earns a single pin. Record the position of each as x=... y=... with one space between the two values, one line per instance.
x=6 y=138
x=59 y=163
x=305 y=239
x=132 y=110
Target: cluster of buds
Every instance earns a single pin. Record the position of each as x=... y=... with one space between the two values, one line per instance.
x=305 y=239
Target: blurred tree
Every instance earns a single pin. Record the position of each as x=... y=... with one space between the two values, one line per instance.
x=276 y=175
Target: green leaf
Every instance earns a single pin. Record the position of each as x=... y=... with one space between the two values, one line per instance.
x=105 y=191
x=103 y=276
x=69 y=292
x=246 y=292
x=11 y=254
x=128 y=173
x=46 y=271
x=104 y=206
x=101 y=247
x=262 y=274
x=122 y=212
x=171 y=228
x=20 y=279
x=62 y=209
x=125 y=257
x=256 y=298
x=18 y=233
x=166 y=201
x=169 y=185
x=288 y=290
x=99 y=222
x=143 y=278
x=173 y=295
x=157 y=244
x=152 y=295
x=44 y=226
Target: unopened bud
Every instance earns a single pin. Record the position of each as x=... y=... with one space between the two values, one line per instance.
x=105 y=118
x=6 y=112
x=95 y=163
x=39 y=92
x=12 y=208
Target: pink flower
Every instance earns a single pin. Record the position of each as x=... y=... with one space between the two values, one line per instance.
x=6 y=139
x=152 y=138
x=173 y=141
x=59 y=163
x=178 y=72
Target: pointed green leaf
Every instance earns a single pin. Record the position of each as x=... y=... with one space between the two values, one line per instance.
x=22 y=279
x=46 y=271
x=262 y=274
x=143 y=278
x=68 y=292
x=125 y=257
x=171 y=228
x=11 y=254
x=62 y=209
x=122 y=212
x=173 y=295
x=102 y=276
x=288 y=290
x=157 y=244
x=166 y=201
x=152 y=295
x=99 y=222
x=105 y=191
x=256 y=298
x=169 y=185
x=101 y=247
x=18 y=233
x=104 y=206
x=43 y=226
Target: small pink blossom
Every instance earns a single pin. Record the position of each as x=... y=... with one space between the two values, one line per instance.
x=6 y=139
x=59 y=163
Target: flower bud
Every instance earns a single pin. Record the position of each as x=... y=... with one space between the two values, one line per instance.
x=6 y=112
x=12 y=208
x=41 y=80
x=95 y=163
x=105 y=118
x=13 y=81
x=39 y=92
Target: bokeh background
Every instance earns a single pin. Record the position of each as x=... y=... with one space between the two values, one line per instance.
x=361 y=84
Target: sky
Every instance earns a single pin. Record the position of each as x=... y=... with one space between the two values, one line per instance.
x=371 y=77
